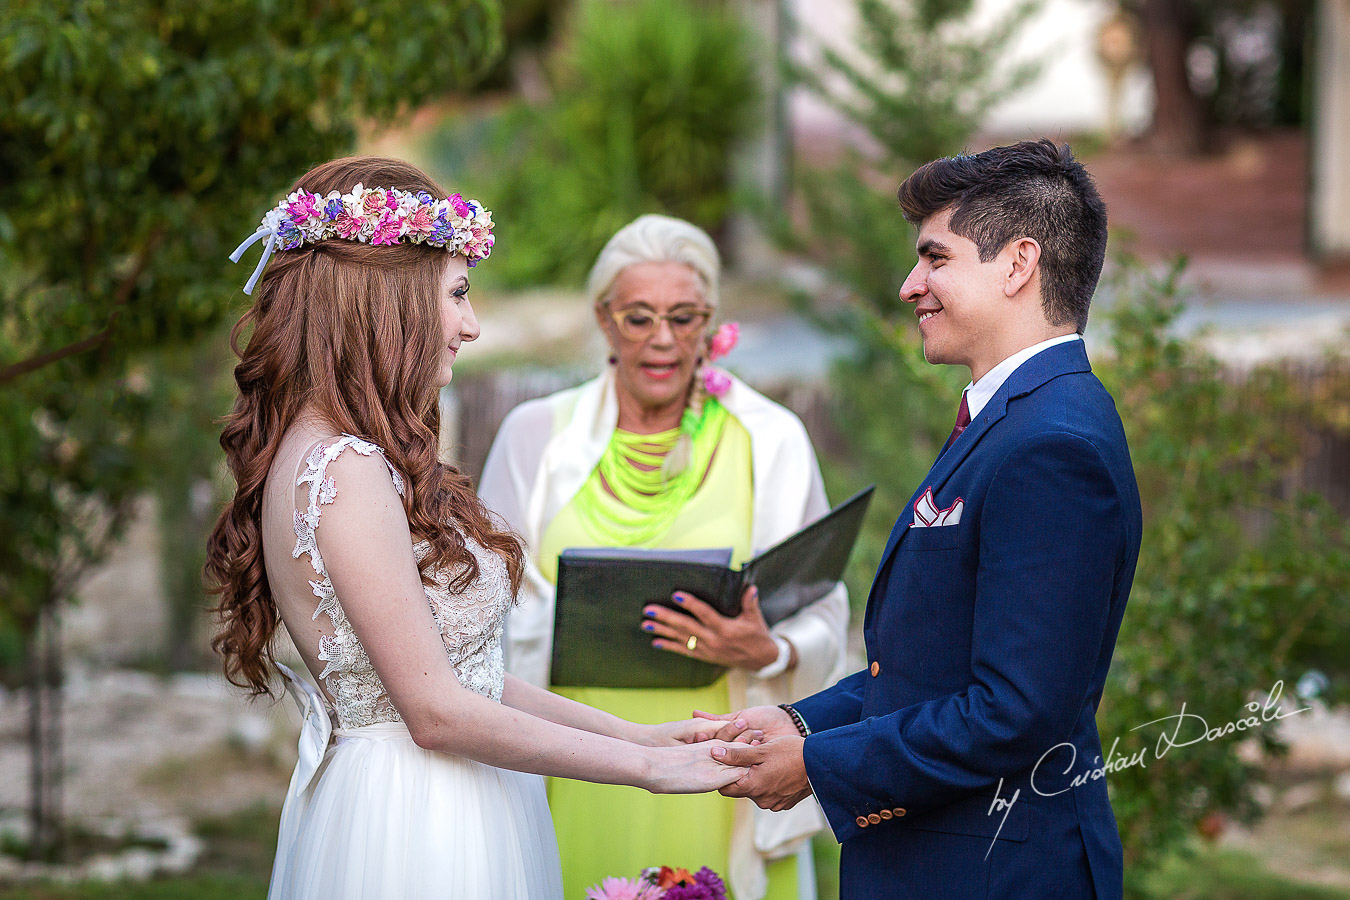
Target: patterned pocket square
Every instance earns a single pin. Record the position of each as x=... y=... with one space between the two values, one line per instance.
x=927 y=514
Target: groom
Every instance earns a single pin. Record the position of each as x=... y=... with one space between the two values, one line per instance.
x=959 y=762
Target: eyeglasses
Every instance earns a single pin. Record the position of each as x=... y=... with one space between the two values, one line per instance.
x=638 y=323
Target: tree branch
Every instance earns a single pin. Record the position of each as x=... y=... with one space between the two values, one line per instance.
x=33 y=363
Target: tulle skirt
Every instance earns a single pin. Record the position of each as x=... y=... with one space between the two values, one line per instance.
x=383 y=818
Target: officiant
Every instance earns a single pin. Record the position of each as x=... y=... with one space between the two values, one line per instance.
x=664 y=450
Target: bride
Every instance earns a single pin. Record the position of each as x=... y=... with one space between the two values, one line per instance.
x=388 y=574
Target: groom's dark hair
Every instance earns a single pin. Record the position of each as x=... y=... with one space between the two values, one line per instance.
x=1032 y=189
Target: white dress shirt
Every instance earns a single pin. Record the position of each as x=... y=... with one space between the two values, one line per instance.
x=979 y=393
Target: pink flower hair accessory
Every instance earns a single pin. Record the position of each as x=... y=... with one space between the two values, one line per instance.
x=724 y=340
x=715 y=381
x=376 y=216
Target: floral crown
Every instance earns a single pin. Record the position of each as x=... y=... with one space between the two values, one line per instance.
x=374 y=216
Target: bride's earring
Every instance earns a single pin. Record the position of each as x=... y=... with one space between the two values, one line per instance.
x=613 y=359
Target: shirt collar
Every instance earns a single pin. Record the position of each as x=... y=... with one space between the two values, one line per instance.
x=979 y=393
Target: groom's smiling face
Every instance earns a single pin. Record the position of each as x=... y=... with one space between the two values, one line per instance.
x=956 y=297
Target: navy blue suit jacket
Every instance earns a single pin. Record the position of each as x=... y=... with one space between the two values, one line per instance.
x=988 y=643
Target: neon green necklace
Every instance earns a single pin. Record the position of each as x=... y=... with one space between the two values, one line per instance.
x=643 y=499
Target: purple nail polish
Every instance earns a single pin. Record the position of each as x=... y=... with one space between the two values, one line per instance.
x=649 y=613
x=679 y=598
x=647 y=627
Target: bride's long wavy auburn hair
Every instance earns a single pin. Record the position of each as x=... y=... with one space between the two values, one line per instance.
x=353 y=332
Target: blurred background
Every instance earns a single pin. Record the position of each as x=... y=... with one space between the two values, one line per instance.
x=139 y=142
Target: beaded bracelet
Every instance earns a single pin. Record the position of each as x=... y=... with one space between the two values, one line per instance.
x=797 y=719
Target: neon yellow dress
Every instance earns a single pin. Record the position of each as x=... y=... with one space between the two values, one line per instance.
x=614 y=830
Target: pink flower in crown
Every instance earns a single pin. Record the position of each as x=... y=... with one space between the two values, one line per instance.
x=304 y=206
x=387 y=230
x=372 y=202
x=347 y=225
x=715 y=381
x=724 y=340
x=461 y=208
x=421 y=222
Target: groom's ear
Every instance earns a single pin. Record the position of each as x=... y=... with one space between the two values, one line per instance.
x=1023 y=262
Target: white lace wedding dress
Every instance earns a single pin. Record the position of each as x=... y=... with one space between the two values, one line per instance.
x=369 y=814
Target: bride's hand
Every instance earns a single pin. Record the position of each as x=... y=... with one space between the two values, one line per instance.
x=687 y=731
x=688 y=769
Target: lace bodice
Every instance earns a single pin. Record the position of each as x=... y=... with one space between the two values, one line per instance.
x=470 y=621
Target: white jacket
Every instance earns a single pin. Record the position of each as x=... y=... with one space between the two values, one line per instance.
x=544 y=453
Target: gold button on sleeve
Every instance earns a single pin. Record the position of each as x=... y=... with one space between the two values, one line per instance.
x=874 y=819
x=862 y=821
x=886 y=814
x=899 y=811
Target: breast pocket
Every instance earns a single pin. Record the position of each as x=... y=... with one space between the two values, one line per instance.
x=938 y=537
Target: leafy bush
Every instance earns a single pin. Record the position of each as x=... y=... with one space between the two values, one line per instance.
x=649 y=99
x=140 y=141
x=1242 y=579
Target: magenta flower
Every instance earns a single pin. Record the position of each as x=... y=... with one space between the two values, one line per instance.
x=716 y=381
x=387 y=230
x=460 y=207
x=707 y=886
x=724 y=340
x=305 y=206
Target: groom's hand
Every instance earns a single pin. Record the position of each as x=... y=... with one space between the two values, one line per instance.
x=772 y=721
x=777 y=777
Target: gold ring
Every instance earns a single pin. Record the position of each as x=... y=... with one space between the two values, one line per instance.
x=691 y=643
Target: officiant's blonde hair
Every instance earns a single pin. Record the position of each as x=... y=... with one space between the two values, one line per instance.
x=656 y=238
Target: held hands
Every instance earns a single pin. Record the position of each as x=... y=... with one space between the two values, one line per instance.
x=742 y=642
x=690 y=731
x=776 y=778
x=769 y=721
x=688 y=769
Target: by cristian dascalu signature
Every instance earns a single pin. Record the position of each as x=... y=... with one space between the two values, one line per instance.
x=1187 y=729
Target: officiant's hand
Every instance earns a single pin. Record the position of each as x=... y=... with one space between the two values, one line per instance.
x=689 y=731
x=739 y=642
x=770 y=721
x=777 y=777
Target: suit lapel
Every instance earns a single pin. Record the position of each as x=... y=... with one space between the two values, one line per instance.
x=1061 y=359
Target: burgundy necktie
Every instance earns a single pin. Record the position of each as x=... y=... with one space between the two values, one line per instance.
x=962 y=420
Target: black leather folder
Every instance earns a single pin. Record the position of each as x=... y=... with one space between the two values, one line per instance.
x=598 y=640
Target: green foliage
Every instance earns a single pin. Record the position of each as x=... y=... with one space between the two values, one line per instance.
x=189 y=387
x=139 y=142
x=1241 y=581
x=196 y=887
x=919 y=84
x=923 y=77
x=1223 y=875
x=148 y=139
x=649 y=98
